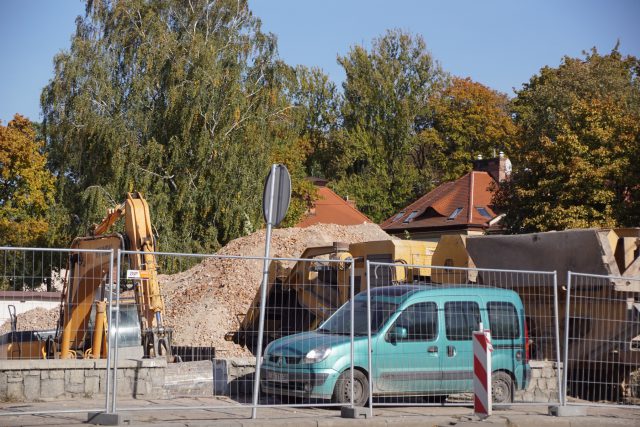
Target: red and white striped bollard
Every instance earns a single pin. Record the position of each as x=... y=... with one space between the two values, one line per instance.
x=482 y=372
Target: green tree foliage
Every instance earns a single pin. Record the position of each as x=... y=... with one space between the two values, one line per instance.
x=26 y=186
x=470 y=119
x=317 y=109
x=385 y=109
x=575 y=164
x=179 y=100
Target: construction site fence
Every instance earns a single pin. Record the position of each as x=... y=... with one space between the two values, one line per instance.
x=32 y=280
x=247 y=373
x=601 y=347
x=552 y=335
x=429 y=359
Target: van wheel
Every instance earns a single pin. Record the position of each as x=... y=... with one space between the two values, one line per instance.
x=342 y=390
x=501 y=388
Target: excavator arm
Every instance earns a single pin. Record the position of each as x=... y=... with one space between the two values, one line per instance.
x=87 y=278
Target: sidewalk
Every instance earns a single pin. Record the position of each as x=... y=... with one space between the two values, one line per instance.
x=185 y=412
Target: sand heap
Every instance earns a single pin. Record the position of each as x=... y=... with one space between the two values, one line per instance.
x=202 y=303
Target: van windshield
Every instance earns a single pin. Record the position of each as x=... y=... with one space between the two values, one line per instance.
x=340 y=322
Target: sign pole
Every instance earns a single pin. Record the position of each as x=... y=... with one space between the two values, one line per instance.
x=263 y=293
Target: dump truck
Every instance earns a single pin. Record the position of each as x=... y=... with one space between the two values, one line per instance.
x=301 y=296
x=82 y=324
x=604 y=315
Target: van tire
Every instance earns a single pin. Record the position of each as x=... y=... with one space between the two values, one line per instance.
x=342 y=389
x=501 y=387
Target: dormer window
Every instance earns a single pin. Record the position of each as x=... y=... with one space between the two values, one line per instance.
x=397 y=217
x=482 y=211
x=410 y=217
x=454 y=214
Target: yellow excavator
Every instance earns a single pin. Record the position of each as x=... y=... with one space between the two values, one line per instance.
x=301 y=296
x=82 y=325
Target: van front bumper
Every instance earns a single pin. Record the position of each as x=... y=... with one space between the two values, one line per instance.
x=304 y=384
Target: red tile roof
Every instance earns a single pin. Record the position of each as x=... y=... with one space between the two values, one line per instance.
x=332 y=209
x=434 y=209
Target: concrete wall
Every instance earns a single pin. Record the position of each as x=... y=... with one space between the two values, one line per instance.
x=543 y=386
x=32 y=380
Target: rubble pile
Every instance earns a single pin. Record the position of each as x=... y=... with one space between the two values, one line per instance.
x=203 y=303
x=35 y=319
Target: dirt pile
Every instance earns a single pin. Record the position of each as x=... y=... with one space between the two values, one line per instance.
x=35 y=319
x=202 y=303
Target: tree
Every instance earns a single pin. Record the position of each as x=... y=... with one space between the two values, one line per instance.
x=385 y=108
x=316 y=104
x=575 y=163
x=179 y=100
x=471 y=119
x=26 y=186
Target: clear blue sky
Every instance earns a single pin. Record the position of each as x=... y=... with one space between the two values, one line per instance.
x=500 y=43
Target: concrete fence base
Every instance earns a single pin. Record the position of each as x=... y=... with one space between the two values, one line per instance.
x=33 y=380
x=543 y=386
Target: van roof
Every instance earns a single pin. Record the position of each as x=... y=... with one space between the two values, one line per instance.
x=403 y=292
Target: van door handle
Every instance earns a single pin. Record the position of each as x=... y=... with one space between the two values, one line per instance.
x=432 y=349
x=451 y=351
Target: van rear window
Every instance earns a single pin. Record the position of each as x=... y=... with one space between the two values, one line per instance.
x=503 y=320
x=461 y=319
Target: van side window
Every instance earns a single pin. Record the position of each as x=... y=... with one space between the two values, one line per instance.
x=461 y=319
x=503 y=320
x=420 y=320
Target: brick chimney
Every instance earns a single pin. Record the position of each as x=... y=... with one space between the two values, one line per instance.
x=498 y=167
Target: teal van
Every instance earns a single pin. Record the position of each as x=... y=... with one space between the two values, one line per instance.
x=421 y=343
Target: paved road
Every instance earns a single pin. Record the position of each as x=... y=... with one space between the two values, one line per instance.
x=196 y=412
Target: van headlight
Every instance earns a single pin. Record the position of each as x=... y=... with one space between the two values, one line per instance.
x=317 y=355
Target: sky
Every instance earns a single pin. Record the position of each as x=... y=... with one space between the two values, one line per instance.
x=499 y=43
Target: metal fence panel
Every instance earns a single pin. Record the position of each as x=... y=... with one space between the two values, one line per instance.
x=421 y=341
x=39 y=290
x=602 y=340
x=213 y=302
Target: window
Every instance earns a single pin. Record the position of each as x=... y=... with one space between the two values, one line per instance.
x=398 y=216
x=461 y=319
x=340 y=322
x=420 y=320
x=411 y=216
x=483 y=211
x=503 y=320
x=455 y=213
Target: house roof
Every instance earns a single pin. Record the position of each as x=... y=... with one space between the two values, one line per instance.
x=447 y=206
x=330 y=208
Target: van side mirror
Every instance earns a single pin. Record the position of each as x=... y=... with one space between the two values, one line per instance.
x=398 y=333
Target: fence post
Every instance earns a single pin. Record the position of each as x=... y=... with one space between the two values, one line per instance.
x=352 y=319
x=563 y=410
x=565 y=361
x=110 y=417
x=115 y=339
x=369 y=361
x=557 y=332
x=109 y=286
